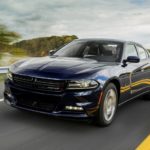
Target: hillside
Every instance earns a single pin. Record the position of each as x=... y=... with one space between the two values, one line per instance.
x=31 y=48
x=41 y=46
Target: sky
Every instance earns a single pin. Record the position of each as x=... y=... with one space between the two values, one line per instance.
x=117 y=19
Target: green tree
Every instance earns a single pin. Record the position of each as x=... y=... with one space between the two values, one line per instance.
x=7 y=36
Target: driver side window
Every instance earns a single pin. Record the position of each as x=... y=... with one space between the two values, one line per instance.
x=142 y=53
x=130 y=50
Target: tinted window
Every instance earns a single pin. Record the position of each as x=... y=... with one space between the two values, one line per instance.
x=100 y=50
x=142 y=52
x=130 y=51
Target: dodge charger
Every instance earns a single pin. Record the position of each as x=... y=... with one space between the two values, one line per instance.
x=87 y=78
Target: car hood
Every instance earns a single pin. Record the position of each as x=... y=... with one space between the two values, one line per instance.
x=59 y=67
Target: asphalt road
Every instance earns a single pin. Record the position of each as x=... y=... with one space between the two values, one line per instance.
x=31 y=131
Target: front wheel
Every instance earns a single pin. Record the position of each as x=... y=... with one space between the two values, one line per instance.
x=108 y=106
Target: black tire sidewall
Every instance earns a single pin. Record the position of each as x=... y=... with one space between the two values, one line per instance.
x=100 y=117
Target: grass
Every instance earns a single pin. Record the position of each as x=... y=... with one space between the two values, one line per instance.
x=2 y=77
x=7 y=59
x=0 y=56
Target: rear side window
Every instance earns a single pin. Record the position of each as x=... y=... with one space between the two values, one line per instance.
x=130 y=50
x=142 y=52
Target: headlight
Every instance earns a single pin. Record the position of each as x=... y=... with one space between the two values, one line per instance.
x=82 y=84
x=9 y=75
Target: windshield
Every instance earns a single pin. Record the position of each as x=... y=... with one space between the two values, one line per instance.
x=100 y=50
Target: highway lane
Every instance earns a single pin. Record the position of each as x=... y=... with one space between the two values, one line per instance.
x=20 y=130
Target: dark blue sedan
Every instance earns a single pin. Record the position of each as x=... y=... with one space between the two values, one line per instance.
x=88 y=78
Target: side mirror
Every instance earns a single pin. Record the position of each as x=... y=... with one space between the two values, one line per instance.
x=51 y=52
x=131 y=59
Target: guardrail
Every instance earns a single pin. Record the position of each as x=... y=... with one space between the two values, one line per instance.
x=4 y=69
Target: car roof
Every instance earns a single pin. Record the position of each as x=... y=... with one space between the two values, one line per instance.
x=109 y=40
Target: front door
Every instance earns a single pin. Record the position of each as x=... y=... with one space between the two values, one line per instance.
x=140 y=77
x=135 y=70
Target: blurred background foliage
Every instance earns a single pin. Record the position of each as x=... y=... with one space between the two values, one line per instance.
x=13 y=49
x=6 y=36
x=32 y=47
x=41 y=46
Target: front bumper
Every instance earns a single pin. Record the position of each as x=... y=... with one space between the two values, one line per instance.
x=53 y=104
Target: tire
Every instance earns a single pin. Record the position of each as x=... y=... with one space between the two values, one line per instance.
x=110 y=97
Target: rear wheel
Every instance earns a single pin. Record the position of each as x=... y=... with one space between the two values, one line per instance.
x=108 y=106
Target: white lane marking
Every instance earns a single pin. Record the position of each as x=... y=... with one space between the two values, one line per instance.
x=1 y=99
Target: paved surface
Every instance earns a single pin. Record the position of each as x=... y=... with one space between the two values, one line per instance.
x=31 y=131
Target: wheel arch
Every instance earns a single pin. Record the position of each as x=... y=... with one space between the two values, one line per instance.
x=116 y=82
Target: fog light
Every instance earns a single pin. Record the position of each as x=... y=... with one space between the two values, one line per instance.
x=74 y=108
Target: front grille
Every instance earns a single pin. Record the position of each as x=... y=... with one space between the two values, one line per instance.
x=40 y=105
x=38 y=83
x=40 y=102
